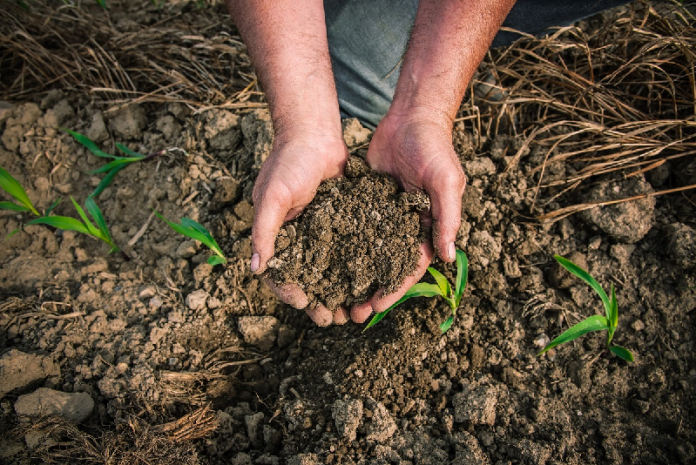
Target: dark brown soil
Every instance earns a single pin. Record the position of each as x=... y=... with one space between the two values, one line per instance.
x=358 y=235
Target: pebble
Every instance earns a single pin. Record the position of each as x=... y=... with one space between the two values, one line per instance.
x=196 y=300
x=261 y=331
x=347 y=415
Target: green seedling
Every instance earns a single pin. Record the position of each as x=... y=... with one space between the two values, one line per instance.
x=112 y=168
x=606 y=323
x=442 y=288
x=195 y=230
x=100 y=231
x=15 y=189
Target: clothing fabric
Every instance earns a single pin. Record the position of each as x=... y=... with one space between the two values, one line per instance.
x=368 y=38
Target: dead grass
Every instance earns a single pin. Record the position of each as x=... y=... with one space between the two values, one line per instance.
x=132 y=443
x=120 y=61
x=617 y=101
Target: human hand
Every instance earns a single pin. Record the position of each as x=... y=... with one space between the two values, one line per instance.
x=416 y=149
x=286 y=183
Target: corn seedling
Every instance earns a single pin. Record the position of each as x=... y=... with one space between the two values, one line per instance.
x=442 y=288
x=195 y=230
x=10 y=185
x=606 y=323
x=15 y=189
x=100 y=231
x=112 y=168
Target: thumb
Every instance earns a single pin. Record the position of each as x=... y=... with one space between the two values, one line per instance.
x=446 y=210
x=269 y=213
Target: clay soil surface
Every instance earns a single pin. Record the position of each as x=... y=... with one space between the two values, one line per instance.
x=163 y=358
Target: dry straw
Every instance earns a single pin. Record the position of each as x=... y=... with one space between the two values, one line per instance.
x=613 y=102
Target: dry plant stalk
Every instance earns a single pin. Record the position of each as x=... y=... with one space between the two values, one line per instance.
x=613 y=102
x=81 y=48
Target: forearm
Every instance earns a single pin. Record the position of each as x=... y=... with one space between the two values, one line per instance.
x=449 y=40
x=288 y=45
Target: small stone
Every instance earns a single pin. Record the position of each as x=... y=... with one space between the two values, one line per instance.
x=476 y=405
x=541 y=341
x=20 y=371
x=638 y=325
x=382 y=426
x=155 y=303
x=261 y=331
x=196 y=299
x=147 y=292
x=75 y=407
x=187 y=249
x=347 y=415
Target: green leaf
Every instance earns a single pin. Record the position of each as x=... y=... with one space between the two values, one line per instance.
x=12 y=233
x=89 y=144
x=447 y=324
x=216 y=260
x=186 y=231
x=593 y=323
x=417 y=290
x=93 y=231
x=106 y=180
x=613 y=309
x=109 y=166
x=15 y=189
x=210 y=242
x=13 y=207
x=441 y=281
x=621 y=352
x=102 y=3
x=52 y=207
x=128 y=151
x=585 y=276
x=462 y=276
x=96 y=213
x=61 y=222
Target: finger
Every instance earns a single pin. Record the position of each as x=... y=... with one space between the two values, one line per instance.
x=291 y=294
x=381 y=302
x=320 y=315
x=271 y=208
x=446 y=209
x=361 y=312
x=341 y=316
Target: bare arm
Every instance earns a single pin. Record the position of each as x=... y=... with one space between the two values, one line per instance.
x=414 y=140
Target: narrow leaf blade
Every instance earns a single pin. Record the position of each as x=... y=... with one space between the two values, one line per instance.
x=593 y=323
x=622 y=353
x=93 y=230
x=61 y=222
x=417 y=290
x=183 y=230
x=585 y=276
x=89 y=144
x=13 y=207
x=216 y=260
x=441 y=281
x=96 y=213
x=447 y=324
x=129 y=152
x=462 y=276
x=15 y=189
x=53 y=206
x=106 y=180
x=113 y=164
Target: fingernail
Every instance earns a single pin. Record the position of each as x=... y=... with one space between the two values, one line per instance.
x=255 y=262
x=451 y=252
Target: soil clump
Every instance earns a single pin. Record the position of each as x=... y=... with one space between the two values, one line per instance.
x=359 y=234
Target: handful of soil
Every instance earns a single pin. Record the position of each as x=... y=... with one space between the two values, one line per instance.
x=359 y=234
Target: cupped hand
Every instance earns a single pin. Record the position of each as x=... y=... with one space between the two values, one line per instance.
x=287 y=182
x=416 y=149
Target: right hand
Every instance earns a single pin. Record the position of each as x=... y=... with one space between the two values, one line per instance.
x=287 y=182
